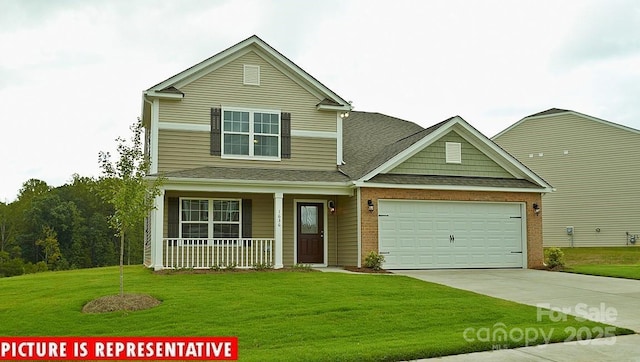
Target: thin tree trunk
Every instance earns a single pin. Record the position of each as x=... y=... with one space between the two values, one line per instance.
x=122 y=264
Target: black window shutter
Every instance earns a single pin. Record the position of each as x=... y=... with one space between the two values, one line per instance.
x=216 y=128
x=246 y=218
x=285 y=152
x=173 y=226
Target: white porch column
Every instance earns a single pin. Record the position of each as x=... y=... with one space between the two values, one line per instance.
x=157 y=228
x=277 y=226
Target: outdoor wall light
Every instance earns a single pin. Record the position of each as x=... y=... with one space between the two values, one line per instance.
x=370 y=204
x=536 y=208
x=332 y=207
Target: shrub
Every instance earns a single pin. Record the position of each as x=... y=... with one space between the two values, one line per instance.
x=12 y=268
x=262 y=266
x=302 y=267
x=554 y=258
x=374 y=261
x=38 y=267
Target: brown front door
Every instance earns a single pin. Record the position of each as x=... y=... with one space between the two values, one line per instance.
x=310 y=233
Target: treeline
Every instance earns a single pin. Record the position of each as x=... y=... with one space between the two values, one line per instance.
x=58 y=228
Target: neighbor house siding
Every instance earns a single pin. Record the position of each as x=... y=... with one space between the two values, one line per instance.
x=181 y=150
x=431 y=161
x=594 y=168
x=347 y=212
x=369 y=224
x=224 y=87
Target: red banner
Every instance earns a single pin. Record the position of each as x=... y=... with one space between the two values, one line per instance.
x=119 y=348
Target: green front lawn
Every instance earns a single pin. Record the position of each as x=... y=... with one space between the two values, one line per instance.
x=306 y=316
x=619 y=262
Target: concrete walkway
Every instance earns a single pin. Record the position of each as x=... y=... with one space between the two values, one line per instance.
x=608 y=300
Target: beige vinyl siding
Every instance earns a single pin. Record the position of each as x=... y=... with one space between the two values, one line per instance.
x=597 y=181
x=431 y=161
x=261 y=214
x=224 y=87
x=181 y=150
x=347 y=211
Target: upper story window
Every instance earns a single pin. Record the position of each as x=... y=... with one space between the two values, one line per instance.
x=251 y=133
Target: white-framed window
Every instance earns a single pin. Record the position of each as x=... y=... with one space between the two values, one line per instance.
x=250 y=133
x=453 y=152
x=210 y=218
x=226 y=218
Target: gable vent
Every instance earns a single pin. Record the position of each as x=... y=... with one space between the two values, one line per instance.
x=453 y=152
x=251 y=74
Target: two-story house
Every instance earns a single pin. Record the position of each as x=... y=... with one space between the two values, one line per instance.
x=594 y=166
x=263 y=164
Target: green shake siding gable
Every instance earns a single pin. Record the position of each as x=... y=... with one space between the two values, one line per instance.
x=431 y=161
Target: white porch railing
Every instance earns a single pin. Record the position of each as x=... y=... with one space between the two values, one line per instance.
x=178 y=253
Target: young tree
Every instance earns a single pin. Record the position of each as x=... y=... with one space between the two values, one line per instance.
x=49 y=243
x=127 y=189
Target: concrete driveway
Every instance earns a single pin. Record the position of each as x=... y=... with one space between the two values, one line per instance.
x=608 y=300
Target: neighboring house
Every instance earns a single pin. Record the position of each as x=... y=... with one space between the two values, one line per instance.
x=593 y=164
x=264 y=165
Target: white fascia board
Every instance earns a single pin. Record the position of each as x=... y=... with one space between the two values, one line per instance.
x=339 y=148
x=153 y=152
x=410 y=151
x=161 y=95
x=451 y=187
x=251 y=186
x=327 y=107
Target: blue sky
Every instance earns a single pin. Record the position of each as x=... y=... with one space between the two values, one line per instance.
x=72 y=72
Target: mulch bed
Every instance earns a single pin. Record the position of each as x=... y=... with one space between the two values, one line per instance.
x=115 y=303
x=227 y=271
x=355 y=269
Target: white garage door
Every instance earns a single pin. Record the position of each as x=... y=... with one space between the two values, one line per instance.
x=431 y=234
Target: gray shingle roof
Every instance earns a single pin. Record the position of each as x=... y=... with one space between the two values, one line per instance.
x=258 y=174
x=452 y=180
x=548 y=112
x=371 y=139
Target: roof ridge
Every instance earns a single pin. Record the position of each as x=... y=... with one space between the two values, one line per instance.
x=549 y=111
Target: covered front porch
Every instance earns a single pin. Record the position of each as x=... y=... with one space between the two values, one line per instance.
x=217 y=229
